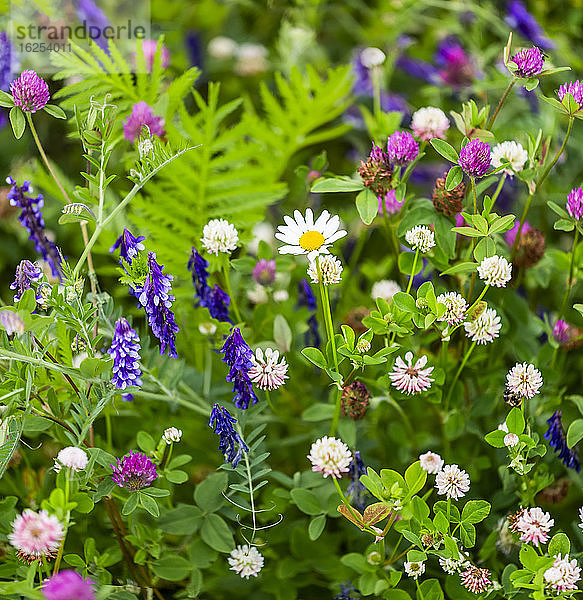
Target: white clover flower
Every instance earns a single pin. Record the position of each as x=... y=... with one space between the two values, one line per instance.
x=511 y=440
x=372 y=57
x=455 y=307
x=431 y=462
x=268 y=372
x=429 y=122
x=207 y=328
x=452 y=482
x=484 y=328
x=330 y=267
x=172 y=435
x=257 y=294
x=534 y=525
x=222 y=47
x=503 y=427
x=219 y=235
x=72 y=457
x=495 y=270
x=452 y=566
x=251 y=60
x=385 y=289
x=513 y=152
x=281 y=295
x=524 y=380
x=414 y=569
x=409 y=378
x=261 y=232
x=306 y=236
x=362 y=346
x=330 y=456
x=246 y=561
x=563 y=575
x=420 y=238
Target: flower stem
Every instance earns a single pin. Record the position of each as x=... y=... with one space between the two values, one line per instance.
x=499 y=188
x=268 y=398
x=230 y=292
x=500 y=104
x=412 y=271
x=457 y=375
x=67 y=517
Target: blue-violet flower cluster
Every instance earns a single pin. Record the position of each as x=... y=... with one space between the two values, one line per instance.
x=231 y=444
x=238 y=356
x=125 y=350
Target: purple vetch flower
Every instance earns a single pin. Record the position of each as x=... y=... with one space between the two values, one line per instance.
x=134 y=471
x=238 y=356
x=518 y=17
x=528 y=62
x=362 y=80
x=264 y=272
x=213 y=298
x=125 y=350
x=26 y=272
x=6 y=60
x=129 y=246
x=417 y=68
x=346 y=590
x=157 y=301
x=402 y=148
x=197 y=265
x=68 y=585
x=575 y=203
x=194 y=49
x=149 y=48
x=92 y=16
x=217 y=301
x=30 y=92
x=306 y=298
x=356 y=491
x=475 y=158
x=231 y=444
x=31 y=218
x=390 y=203
x=142 y=115
x=575 y=88
x=511 y=234
x=394 y=103
x=457 y=67
x=558 y=441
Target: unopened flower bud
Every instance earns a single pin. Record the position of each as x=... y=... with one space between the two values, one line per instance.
x=362 y=346
x=374 y=558
x=511 y=440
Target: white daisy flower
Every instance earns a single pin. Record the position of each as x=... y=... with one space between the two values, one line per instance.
x=330 y=267
x=385 y=289
x=512 y=152
x=431 y=462
x=267 y=373
x=304 y=236
x=484 y=328
x=452 y=482
x=414 y=569
x=455 y=307
x=420 y=238
x=495 y=270
x=330 y=456
x=246 y=560
x=219 y=235
x=524 y=380
x=429 y=122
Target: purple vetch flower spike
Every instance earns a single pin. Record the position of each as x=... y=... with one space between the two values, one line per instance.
x=231 y=444
x=402 y=148
x=30 y=92
x=125 y=350
x=26 y=272
x=157 y=301
x=213 y=298
x=217 y=301
x=518 y=17
x=6 y=60
x=142 y=114
x=198 y=266
x=238 y=356
x=356 y=491
x=31 y=218
x=457 y=67
x=529 y=62
x=575 y=88
x=134 y=471
x=475 y=158
x=129 y=246
x=575 y=203
x=92 y=16
x=558 y=441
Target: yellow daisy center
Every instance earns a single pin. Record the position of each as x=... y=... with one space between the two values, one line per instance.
x=311 y=240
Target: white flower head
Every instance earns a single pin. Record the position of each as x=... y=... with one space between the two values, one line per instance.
x=330 y=267
x=431 y=462
x=257 y=294
x=306 y=236
x=219 y=235
x=251 y=59
x=429 y=122
x=534 y=525
x=409 y=378
x=372 y=57
x=524 y=380
x=246 y=561
x=207 y=328
x=261 y=232
x=268 y=372
x=563 y=575
x=455 y=307
x=281 y=295
x=330 y=456
x=385 y=289
x=512 y=152
x=581 y=517
x=452 y=482
x=420 y=238
x=511 y=440
x=503 y=427
x=484 y=328
x=495 y=270
x=172 y=435
x=452 y=566
x=222 y=47
x=414 y=569
x=72 y=457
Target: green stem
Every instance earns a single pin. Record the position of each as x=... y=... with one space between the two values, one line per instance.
x=268 y=398
x=208 y=372
x=420 y=595
x=376 y=84
x=66 y=525
x=412 y=271
x=230 y=292
x=177 y=399
x=457 y=375
x=499 y=188
x=502 y=100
